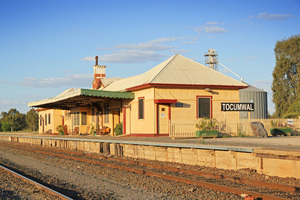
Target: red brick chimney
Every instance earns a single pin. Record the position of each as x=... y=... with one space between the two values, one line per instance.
x=99 y=72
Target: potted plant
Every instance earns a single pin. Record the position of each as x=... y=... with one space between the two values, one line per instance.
x=60 y=129
x=279 y=128
x=207 y=127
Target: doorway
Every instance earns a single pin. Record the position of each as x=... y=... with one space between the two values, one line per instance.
x=163 y=118
x=116 y=117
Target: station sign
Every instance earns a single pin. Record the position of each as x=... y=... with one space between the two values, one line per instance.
x=237 y=106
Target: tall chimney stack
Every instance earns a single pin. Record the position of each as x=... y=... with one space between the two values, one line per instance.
x=96 y=57
x=99 y=72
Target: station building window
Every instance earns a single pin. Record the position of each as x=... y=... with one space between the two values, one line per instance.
x=93 y=115
x=141 y=108
x=45 y=119
x=49 y=121
x=83 y=118
x=41 y=120
x=76 y=118
x=106 y=113
x=204 y=107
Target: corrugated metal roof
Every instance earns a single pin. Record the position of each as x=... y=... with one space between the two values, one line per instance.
x=176 y=70
x=251 y=88
x=75 y=97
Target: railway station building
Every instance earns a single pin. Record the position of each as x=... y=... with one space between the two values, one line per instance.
x=176 y=89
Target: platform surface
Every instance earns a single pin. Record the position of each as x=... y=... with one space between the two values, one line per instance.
x=284 y=143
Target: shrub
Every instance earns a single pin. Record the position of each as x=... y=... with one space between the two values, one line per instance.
x=207 y=124
x=119 y=129
x=241 y=133
x=60 y=129
x=6 y=126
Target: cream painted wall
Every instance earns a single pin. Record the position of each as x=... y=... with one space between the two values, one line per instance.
x=148 y=124
x=189 y=99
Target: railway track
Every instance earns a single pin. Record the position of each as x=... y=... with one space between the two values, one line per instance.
x=34 y=183
x=258 y=189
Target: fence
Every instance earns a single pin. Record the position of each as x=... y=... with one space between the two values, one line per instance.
x=239 y=127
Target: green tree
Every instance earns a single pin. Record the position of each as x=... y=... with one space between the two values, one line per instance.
x=286 y=74
x=19 y=122
x=13 y=118
x=3 y=114
x=32 y=119
x=293 y=111
x=6 y=126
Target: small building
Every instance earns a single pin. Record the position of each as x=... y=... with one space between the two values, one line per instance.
x=176 y=89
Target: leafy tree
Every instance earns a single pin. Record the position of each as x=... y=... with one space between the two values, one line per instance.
x=6 y=126
x=286 y=74
x=3 y=114
x=19 y=122
x=293 y=111
x=14 y=118
x=13 y=112
x=32 y=119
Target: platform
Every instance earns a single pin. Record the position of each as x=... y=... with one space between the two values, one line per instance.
x=273 y=156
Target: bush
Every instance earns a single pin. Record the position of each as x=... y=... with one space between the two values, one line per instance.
x=6 y=126
x=60 y=129
x=207 y=124
x=119 y=129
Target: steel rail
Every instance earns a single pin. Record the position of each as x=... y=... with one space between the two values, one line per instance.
x=258 y=183
x=204 y=184
x=38 y=185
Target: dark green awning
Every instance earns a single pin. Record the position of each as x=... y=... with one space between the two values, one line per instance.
x=80 y=97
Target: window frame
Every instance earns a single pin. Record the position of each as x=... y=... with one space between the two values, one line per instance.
x=83 y=120
x=76 y=119
x=141 y=108
x=49 y=118
x=106 y=113
x=198 y=108
x=41 y=120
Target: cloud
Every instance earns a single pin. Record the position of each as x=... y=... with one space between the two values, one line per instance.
x=192 y=40
x=132 y=56
x=211 y=29
x=211 y=23
x=88 y=58
x=215 y=29
x=273 y=16
x=137 y=53
x=153 y=45
x=80 y=80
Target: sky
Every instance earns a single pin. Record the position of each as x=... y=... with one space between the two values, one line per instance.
x=47 y=47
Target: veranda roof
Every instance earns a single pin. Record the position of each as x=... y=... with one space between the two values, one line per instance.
x=79 y=97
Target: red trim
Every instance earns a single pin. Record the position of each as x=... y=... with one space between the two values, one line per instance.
x=157 y=111
x=157 y=118
x=165 y=100
x=147 y=85
x=197 y=108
